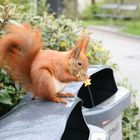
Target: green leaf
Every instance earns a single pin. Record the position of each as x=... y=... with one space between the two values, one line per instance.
x=5 y=97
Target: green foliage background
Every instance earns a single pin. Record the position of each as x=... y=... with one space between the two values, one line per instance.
x=59 y=34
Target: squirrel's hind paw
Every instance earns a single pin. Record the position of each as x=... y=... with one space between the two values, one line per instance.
x=65 y=95
x=58 y=100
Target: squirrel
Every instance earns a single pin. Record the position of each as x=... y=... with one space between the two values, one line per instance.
x=44 y=73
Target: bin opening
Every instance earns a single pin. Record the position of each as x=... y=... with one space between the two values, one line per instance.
x=76 y=128
x=102 y=87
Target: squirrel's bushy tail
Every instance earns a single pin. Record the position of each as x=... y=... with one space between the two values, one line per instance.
x=18 y=49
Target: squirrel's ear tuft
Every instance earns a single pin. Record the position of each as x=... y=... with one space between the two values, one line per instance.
x=85 y=44
x=75 y=52
x=79 y=42
x=80 y=47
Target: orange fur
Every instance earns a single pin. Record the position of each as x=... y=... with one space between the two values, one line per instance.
x=39 y=70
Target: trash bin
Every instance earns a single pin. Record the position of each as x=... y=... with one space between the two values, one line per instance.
x=39 y=120
x=109 y=101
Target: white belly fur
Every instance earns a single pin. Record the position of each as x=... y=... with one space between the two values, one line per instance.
x=59 y=86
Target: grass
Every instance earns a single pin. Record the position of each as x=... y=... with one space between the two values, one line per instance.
x=93 y=22
x=130 y=27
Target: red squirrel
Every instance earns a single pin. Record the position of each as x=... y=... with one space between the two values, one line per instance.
x=42 y=72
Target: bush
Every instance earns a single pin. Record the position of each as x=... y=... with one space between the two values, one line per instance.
x=130 y=120
x=10 y=93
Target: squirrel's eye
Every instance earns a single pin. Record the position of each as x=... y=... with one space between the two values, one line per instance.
x=79 y=63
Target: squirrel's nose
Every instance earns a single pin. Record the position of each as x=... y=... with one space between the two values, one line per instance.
x=85 y=76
